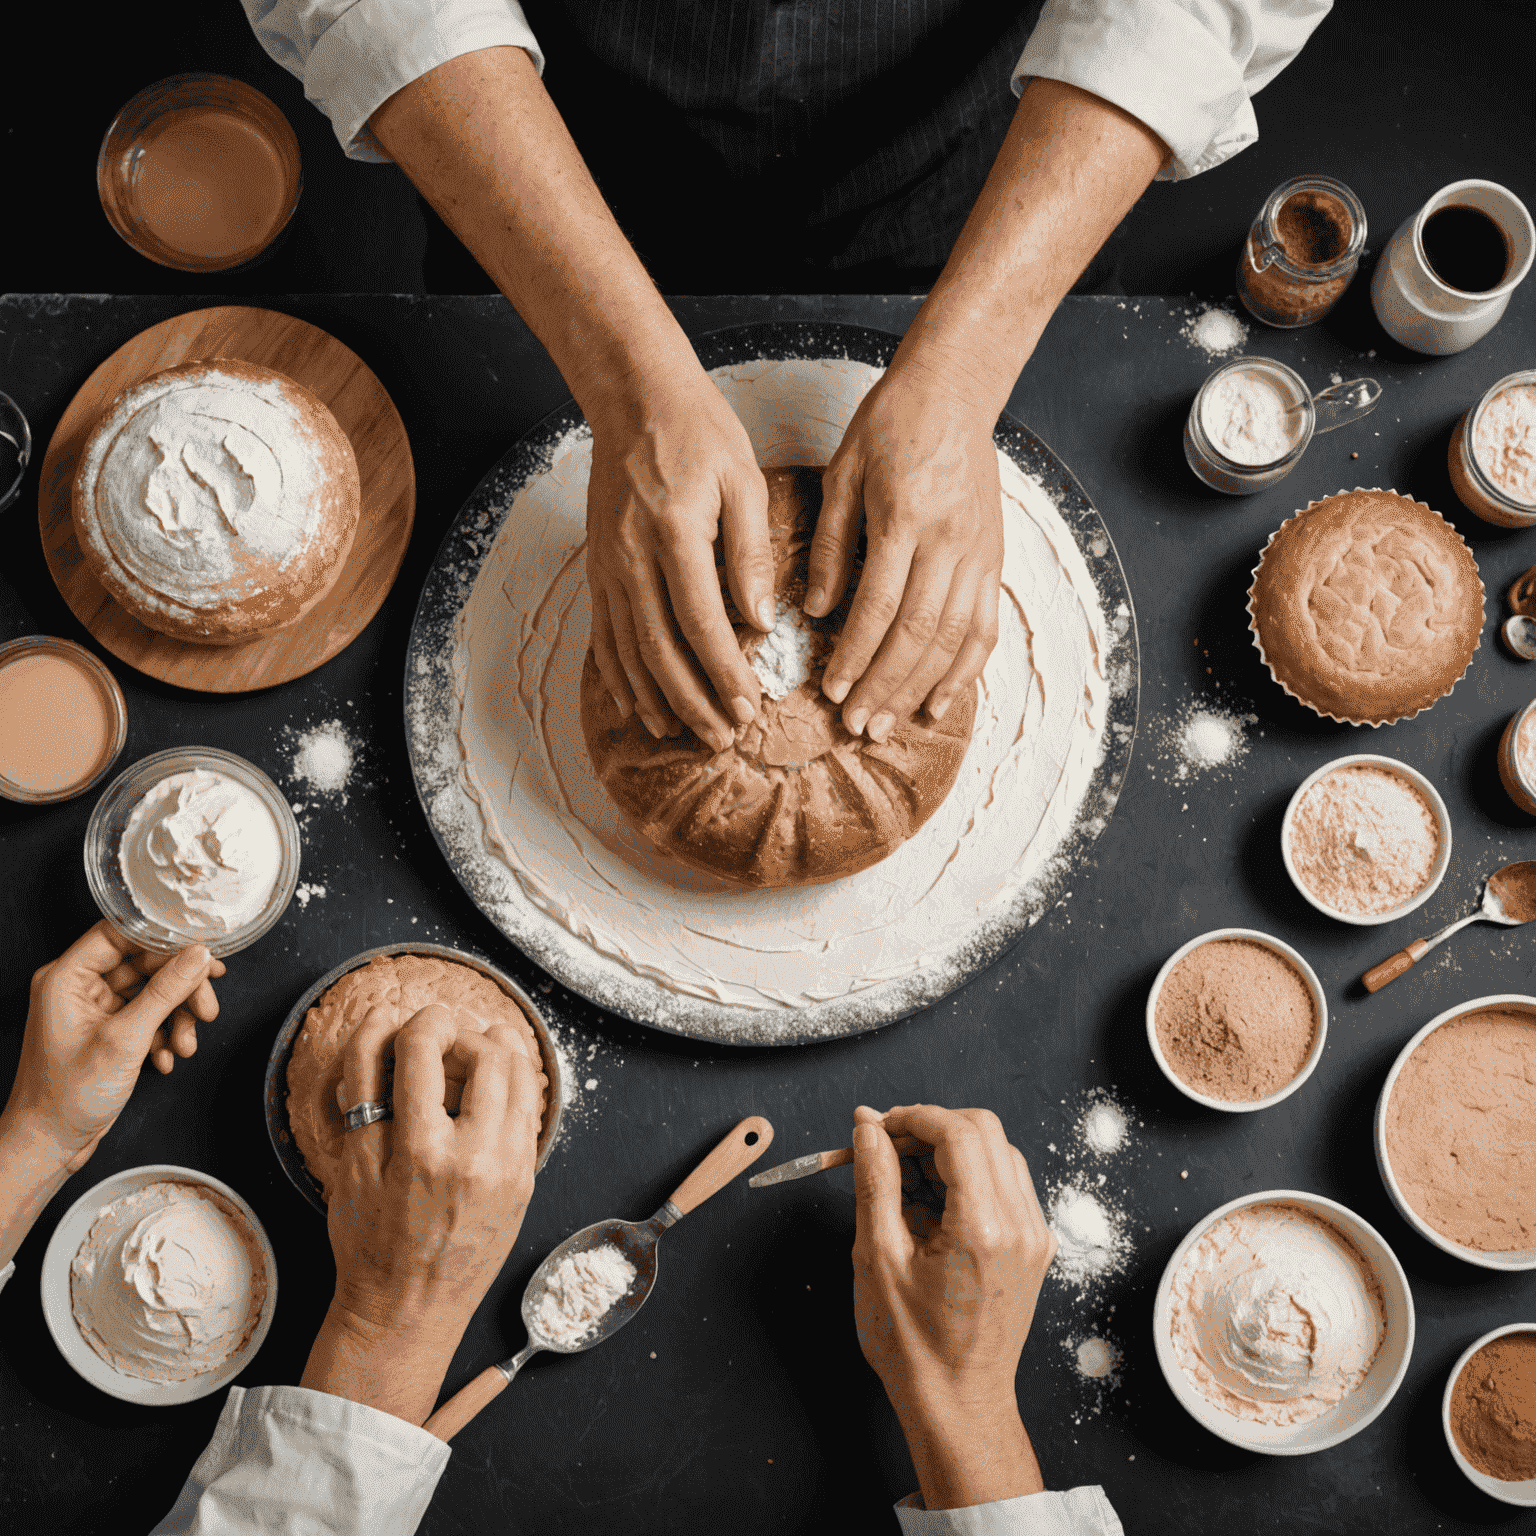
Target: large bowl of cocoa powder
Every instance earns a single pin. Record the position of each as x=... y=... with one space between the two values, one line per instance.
x=1453 y=1132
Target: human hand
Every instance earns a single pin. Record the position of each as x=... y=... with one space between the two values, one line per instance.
x=669 y=473
x=427 y=1207
x=916 y=469
x=95 y=1013
x=943 y=1300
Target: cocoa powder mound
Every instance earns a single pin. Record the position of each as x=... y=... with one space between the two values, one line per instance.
x=1235 y=1020
x=1461 y=1130
x=1493 y=1408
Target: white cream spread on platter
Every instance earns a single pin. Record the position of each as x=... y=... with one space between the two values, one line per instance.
x=1276 y=1315
x=1247 y=414
x=203 y=488
x=201 y=853
x=613 y=903
x=169 y=1283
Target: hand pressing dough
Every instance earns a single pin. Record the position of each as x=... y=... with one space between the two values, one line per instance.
x=404 y=985
x=795 y=799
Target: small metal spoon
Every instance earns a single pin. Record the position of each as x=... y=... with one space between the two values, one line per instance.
x=1519 y=633
x=1509 y=897
x=636 y=1240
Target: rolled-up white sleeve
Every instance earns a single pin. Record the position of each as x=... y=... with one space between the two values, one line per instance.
x=1077 y=1512
x=353 y=55
x=307 y=1464
x=1187 y=68
x=6 y=1273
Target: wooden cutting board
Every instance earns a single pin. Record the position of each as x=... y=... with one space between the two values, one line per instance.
x=366 y=414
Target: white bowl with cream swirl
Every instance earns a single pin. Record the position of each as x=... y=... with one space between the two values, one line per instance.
x=1284 y=1328
x=168 y=1290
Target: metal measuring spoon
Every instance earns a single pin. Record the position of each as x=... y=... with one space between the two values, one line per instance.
x=1519 y=633
x=636 y=1240
x=1509 y=897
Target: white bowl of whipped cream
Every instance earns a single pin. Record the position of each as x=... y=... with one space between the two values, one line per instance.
x=1283 y=1323
x=193 y=845
x=159 y=1285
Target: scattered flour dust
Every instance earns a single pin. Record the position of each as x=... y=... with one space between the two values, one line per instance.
x=1104 y=1127
x=323 y=757
x=1198 y=738
x=1217 y=332
x=579 y=1292
x=1091 y=1237
x=1096 y=1358
x=308 y=892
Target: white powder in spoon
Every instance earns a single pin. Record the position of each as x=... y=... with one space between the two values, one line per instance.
x=579 y=1291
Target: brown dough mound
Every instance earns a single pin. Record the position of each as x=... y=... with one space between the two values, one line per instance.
x=796 y=799
x=404 y=984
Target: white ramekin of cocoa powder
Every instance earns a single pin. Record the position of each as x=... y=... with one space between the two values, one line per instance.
x=1236 y=1020
x=1489 y=1397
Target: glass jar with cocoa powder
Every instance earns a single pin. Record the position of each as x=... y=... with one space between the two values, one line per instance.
x=1301 y=252
x=1517 y=758
x=1492 y=457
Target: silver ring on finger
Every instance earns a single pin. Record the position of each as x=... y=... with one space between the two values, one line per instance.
x=365 y=1114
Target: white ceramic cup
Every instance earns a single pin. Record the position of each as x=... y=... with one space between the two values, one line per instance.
x=1522 y=1493
x=58 y=1311
x=1319 y=1001
x=1345 y=1418
x=1422 y=312
x=1515 y=1259
x=1436 y=806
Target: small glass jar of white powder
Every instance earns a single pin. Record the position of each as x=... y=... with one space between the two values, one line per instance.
x=1253 y=419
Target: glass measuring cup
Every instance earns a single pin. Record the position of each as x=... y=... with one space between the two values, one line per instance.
x=1304 y=413
x=15 y=450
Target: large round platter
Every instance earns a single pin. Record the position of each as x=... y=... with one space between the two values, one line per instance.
x=436 y=759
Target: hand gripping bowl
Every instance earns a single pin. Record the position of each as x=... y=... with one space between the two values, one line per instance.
x=276 y=1085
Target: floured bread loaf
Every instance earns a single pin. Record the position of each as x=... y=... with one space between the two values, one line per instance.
x=796 y=799
x=404 y=985
x=217 y=501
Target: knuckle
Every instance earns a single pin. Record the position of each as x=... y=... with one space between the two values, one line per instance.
x=921 y=623
x=882 y=606
x=951 y=632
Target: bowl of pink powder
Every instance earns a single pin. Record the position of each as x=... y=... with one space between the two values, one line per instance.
x=1454 y=1140
x=1366 y=839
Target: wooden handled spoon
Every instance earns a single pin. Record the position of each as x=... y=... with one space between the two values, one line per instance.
x=1509 y=897
x=636 y=1240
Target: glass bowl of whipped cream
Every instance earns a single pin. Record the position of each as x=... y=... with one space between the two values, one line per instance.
x=192 y=846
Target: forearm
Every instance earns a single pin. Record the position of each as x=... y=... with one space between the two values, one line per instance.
x=1069 y=170
x=964 y=1456
x=33 y=1168
x=483 y=143
x=397 y=1370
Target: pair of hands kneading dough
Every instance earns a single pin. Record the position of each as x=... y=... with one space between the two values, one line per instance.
x=916 y=471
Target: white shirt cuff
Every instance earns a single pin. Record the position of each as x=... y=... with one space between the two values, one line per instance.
x=1185 y=68
x=1081 y=1511
x=293 y=1460
x=6 y=1273
x=376 y=47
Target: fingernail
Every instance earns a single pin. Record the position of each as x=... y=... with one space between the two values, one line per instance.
x=653 y=725
x=741 y=707
x=880 y=726
x=815 y=601
x=835 y=688
x=624 y=707
x=765 y=617
x=856 y=720
x=937 y=708
x=720 y=740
